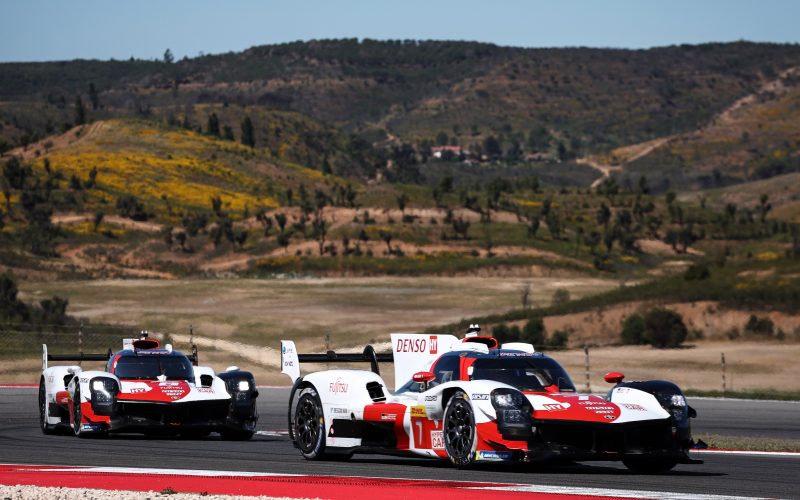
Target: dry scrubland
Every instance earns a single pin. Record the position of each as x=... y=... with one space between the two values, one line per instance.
x=242 y=321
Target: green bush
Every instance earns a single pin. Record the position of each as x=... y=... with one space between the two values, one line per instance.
x=633 y=330
x=762 y=327
x=533 y=332
x=697 y=272
x=503 y=333
x=664 y=328
x=560 y=338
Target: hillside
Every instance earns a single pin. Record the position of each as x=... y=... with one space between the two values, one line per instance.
x=756 y=138
x=586 y=100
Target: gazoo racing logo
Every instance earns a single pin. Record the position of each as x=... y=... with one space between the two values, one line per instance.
x=430 y=345
x=338 y=387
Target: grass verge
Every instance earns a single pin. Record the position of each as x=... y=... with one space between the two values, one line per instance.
x=749 y=443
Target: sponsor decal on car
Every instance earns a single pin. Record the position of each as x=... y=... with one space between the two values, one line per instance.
x=135 y=387
x=338 y=387
x=494 y=456
x=555 y=406
x=434 y=344
x=412 y=345
x=635 y=407
x=479 y=397
x=338 y=410
x=517 y=354
x=206 y=390
x=431 y=398
x=437 y=440
x=174 y=390
x=391 y=417
x=418 y=412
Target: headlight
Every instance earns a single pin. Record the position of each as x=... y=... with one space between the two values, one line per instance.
x=98 y=385
x=244 y=385
x=678 y=400
x=508 y=398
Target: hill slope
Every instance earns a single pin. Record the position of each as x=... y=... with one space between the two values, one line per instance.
x=587 y=99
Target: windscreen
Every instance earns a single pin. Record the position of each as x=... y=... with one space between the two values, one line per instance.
x=150 y=367
x=527 y=374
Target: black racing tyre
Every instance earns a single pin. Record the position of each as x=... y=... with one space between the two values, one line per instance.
x=460 y=436
x=44 y=408
x=309 y=426
x=650 y=465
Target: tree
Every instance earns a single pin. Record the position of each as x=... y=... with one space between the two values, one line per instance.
x=227 y=133
x=168 y=57
x=533 y=332
x=402 y=200
x=248 y=133
x=97 y=220
x=280 y=218
x=12 y=310
x=387 y=238
x=560 y=296
x=80 y=111
x=93 y=97
x=461 y=227
x=320 y=231
x=442 y=139
x=664 y=328
x=213 y=125
x=533 y=227
x=492 y=147
x=633 y=330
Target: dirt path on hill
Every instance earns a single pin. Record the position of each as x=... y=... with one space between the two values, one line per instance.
x=71 y=137
x=115 y=220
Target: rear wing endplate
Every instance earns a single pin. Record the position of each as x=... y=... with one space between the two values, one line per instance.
x=291 y=359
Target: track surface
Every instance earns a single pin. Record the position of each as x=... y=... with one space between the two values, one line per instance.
x=21 y=441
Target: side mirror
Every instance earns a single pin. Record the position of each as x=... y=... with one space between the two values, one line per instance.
x=692 y=412
x=206 y=380
x=423 y=378
x=614 y=377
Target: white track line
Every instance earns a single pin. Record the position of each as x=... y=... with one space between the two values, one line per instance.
x=603 y=492
x=792 y=454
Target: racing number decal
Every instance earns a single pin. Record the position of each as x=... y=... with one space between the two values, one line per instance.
x=418 y=437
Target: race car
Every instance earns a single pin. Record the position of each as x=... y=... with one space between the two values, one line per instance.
x=146 y=389
x=473 y=400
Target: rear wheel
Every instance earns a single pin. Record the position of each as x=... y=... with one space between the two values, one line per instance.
x=650 y=465
x=309 y=426
x=44 y=409
x=460 y=436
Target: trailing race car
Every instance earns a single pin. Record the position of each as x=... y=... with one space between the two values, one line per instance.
x=146 y=389
x=473 y=400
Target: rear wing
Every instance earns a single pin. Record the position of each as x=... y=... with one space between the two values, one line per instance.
x=81 y=356
x=411 y=353
x=291 y=359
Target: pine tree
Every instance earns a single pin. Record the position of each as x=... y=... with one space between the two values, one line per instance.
x=93 y=97
x=213 y=125
x=248 y=134
x=80 y=111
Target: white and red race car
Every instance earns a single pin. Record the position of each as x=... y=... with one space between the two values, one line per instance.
x=472 y=400
x=146 y=389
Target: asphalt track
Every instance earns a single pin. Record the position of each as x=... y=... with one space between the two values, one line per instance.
x=21 y=442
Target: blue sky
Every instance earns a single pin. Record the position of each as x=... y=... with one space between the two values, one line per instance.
x=40 y=30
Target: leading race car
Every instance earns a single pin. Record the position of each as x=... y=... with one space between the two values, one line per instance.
x=473 y=400
x=146 y=389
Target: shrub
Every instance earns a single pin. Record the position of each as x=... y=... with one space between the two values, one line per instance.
x=664 y=328
x=503 y=333
x=533 y=332
x=763 y=327
x=697 y=272
x=560 y=338
x=560 y=296
x=633 y=330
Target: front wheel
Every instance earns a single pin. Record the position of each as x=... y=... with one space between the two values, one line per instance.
x=650 y=465
x=460 y=436
x=44 y=409
x=309 y=426
x=77 y=415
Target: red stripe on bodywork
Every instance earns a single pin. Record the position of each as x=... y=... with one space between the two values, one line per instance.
x=332 y=487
